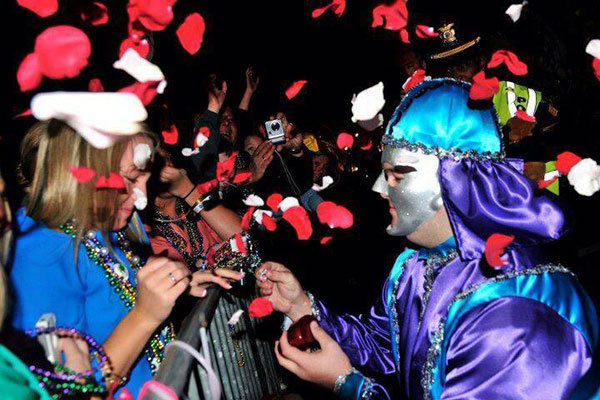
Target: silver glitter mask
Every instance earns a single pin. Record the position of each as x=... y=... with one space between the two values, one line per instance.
x=417 y=197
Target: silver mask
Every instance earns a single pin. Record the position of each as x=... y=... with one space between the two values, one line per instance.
x=417 y=197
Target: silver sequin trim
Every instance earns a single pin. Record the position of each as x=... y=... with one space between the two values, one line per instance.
x=339 y=382
x=430 y=264
x=440 y=152
x=367 y=389
x=438 y=336
x=313 y=305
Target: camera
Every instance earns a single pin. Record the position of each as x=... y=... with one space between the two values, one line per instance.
x=275 y=132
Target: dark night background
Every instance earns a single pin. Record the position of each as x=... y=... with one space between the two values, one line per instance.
x=339 y=57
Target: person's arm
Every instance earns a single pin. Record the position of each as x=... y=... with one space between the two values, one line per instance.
x=251 y=84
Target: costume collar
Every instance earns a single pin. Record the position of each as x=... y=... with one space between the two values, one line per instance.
x=441 y=250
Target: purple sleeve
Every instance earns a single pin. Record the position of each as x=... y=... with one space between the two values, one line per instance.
x=364 y=338
x=514 y=348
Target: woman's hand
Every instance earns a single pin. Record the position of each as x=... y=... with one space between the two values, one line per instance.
x=252 y=80
x=179 y=183
x=283 y=290
x=216 y=94
x=261 y=158
x=77 y=354
x=321 y=367
x=201 y=280
x=159 y=283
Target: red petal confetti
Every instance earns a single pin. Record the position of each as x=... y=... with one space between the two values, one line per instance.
x=404 y=36
x=326 y=239
x=393 y=17
x=345 y=141
x=43 y=8
x=247 y=218
x=96 y=13
x=596 y=67
x=483 y=88
x=298 y=218
x=145 y=91
x=524 y=116
x=239 y=242
x=494 y=248
x=260 y=307
x=29 y=74
x=294 y=89
x=25 y=113
x=425 y=32
x=95 y=85
x=204 y=131
x=207 y=186
x=241 y=177
x=273 y=201
x=225 y=168
x=82 y=174
x=417 y=77
x=565 y=161
x=268 y=222
x=191 y=32
x=542 y=184
x=511 y=61
x=367 y=145
x=114 y=181
x=337 y=6
x=334 y=216
x=142 y=47
x=170 y=135
x=154 y=15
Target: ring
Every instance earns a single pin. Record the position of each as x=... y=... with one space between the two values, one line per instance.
x=172 y=276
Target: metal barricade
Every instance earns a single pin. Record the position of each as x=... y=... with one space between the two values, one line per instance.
x=244 y=364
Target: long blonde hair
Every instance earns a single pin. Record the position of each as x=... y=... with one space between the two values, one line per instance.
x=54 y=197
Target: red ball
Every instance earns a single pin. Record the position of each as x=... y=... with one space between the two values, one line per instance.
x=300 y=335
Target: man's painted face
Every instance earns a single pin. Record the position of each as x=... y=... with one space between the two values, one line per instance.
x=409 y=181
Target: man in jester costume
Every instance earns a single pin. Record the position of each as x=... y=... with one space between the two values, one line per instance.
x=447 y=324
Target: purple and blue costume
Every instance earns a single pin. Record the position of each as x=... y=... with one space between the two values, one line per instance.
x=447 y=324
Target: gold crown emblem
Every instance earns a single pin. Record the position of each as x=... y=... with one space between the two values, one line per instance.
x=447 y=34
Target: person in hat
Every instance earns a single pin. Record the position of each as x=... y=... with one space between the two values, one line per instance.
x=448 y=324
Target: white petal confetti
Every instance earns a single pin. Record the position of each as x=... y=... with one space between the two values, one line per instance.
x=288 y=202
x=593 y=48
x=141 y=201
x=254 y=201
x=235 y=318
x=141 y=155
x=368 y=103
x=140 y=68
x=189 y=152
x=514 y=11
x=327 y=181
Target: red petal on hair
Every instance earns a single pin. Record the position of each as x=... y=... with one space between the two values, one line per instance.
x=114 y=181
x=82 y=174
x=298 y=218
x=393 y=17
x=326 y=239
x=260 y=307
x=334 y=216
x=240 y=243
x=524 y=116
x=494 y=248
x=29 y=74
x=268 y=222
x=542 y=184
x=96 y=13
x=241 y=177
x=294 y=89
x=404 y=36
x=63 y=51
x=43 y=8
x=425 y=32
x=141 y=46
x=596 y=67
x=483 y=88
x=225 y=168
x=367 y=145
x=247 y=218
x=170 y=135
x=95 y=85
x=273 y=201
x=511 y=61
x=565 y=161
x=207 y=186
x=191 y=32
x=145 y=91
x=345 y=141
x=417 y=77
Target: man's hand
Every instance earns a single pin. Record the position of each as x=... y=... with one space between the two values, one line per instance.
x=252 y=80
x=321 y=367
x=283 y=289
x=261 y=158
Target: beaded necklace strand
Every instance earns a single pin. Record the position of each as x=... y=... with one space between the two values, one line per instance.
x=118 y=277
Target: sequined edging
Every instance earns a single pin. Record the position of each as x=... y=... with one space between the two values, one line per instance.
x=440 y=152
x=313 y=305
x=430 y=264
x=394 y=312
x=366 y=391
x=339 y=382
x=438 y=336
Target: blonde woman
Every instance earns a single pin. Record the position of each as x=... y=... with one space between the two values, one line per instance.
x=71 y=257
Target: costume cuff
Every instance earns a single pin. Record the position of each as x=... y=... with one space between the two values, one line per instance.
x=353 y=386
x=313 y=305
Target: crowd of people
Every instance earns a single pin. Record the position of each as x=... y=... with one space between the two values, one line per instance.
x=111 y=234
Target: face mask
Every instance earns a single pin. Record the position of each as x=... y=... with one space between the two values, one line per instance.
x=417 y=197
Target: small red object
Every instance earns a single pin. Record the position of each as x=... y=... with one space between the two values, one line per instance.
x=344 y=141
x=43 y=8
x=417 y=77
x=273 y=201
x=96 y=13
x=269 y=222
x=294 y=89
x=425 y=32
x=82 y=174
x=404 y=36
x=524 y=116
x=483 y=88
x=334 y=216
x=542 y=184
x=596 y=67
x=565 y=161
x=191 y=32
x=509 y=59
x=494 y=248
x=260 y=307
x=247 y=218
x=326 y=239
x=225 y=168
x=114 y=181
x=170 y=135
x=241 y=177
x=337 y=6
x=393 y=17
x=145 y=91
x=140 y=45
x=298 y=218
x=95 y=85
x=207 y=186
x=300 y=335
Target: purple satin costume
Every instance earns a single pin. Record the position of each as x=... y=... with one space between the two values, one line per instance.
x=452 y=327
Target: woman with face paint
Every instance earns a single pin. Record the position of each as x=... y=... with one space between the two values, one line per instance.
x=447 y=324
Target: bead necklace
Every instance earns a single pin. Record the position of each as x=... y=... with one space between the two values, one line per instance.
x=118 y=277
x=63 y=382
